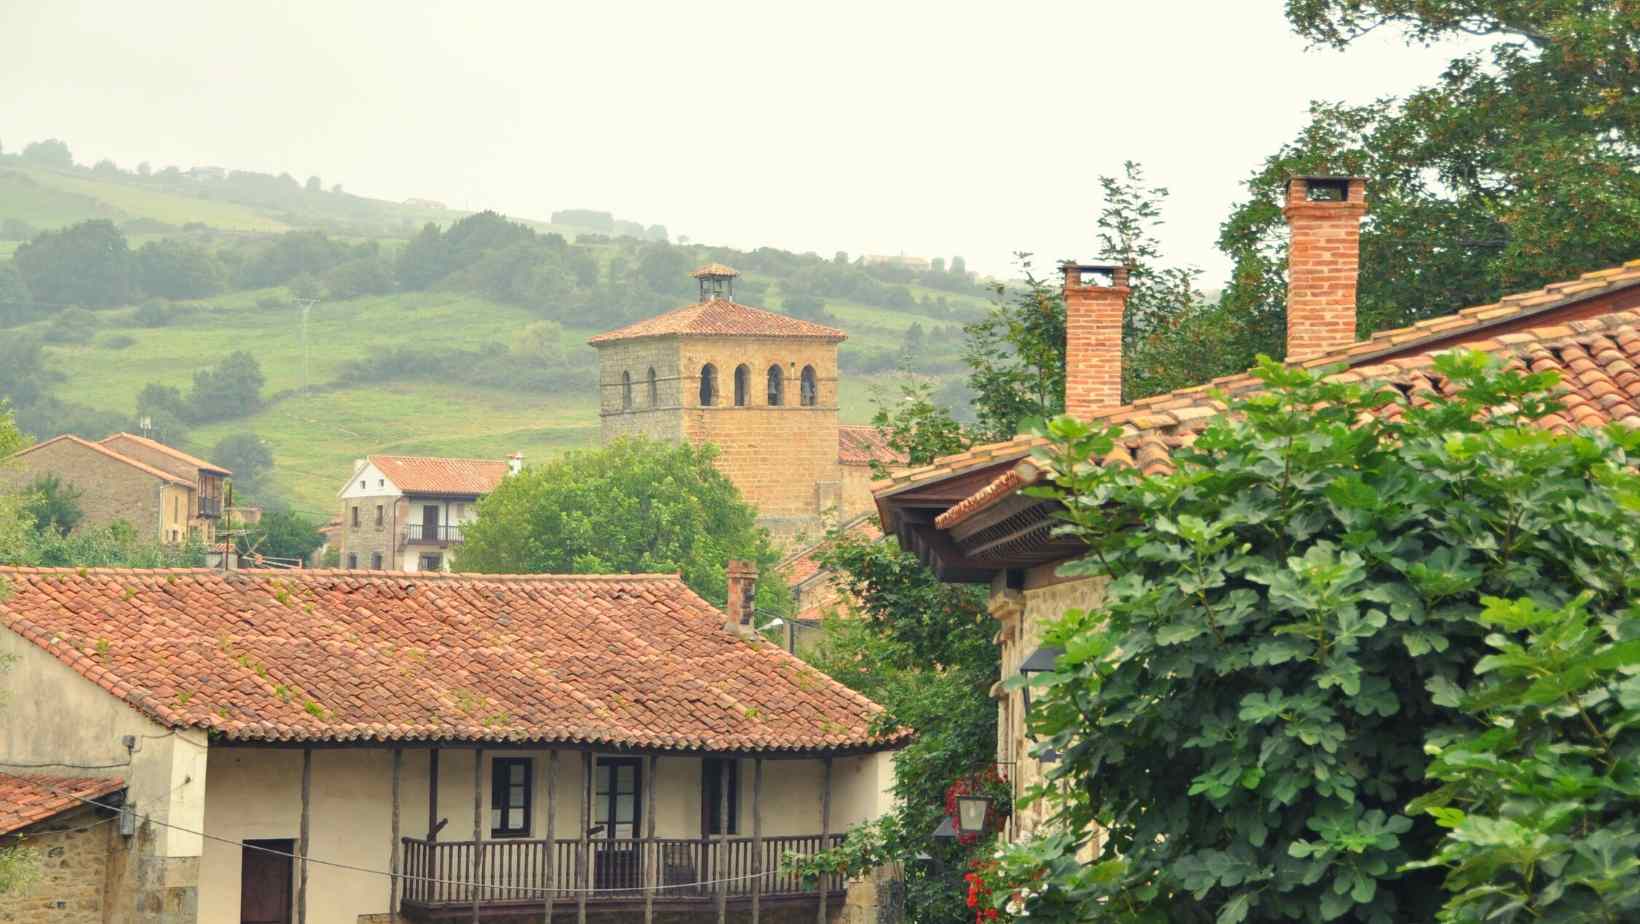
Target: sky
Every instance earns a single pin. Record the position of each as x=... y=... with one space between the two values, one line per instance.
x=888 y=127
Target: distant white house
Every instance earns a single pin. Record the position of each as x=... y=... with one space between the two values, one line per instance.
x=407 y=513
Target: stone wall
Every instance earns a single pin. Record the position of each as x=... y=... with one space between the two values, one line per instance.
x=110 y=489
x=367 y=537
x=70 y=855
x=654 y=416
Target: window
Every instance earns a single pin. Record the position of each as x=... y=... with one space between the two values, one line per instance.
x=375 y=561
x=714 y=773
x=379 y=519
x=777 y=386
x=708 y=385
x=626 y=391
x=808 y=388
x=352 y=561
x=432 y=562
x=361 y=485
x=510 y=797
x=618 y=807
x=355 y=515
x=654 y=389
x=743 y=382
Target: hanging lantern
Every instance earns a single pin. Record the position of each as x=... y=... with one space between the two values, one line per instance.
x=971 y=813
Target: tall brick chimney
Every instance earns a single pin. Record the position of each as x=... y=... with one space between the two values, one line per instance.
x=1323 y=261
x=742 y=596
x=1093 y=335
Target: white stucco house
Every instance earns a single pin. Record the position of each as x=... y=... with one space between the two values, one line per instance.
x=332 y=747
x=407 y=513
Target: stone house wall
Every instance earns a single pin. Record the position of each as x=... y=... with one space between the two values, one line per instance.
x=110 y=489
x=367 y=538
x=70 y=855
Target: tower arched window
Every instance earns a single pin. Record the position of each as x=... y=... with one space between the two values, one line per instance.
x=808 y=388
x=708 y=385
x=743 y=384
x=626 y=391
x=654 y=389
x=777 y=386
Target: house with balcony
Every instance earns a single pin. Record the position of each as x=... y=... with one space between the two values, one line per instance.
x=333 y=747
x=406 y=513
x=166 y=494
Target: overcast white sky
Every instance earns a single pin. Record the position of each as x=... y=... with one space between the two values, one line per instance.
x=929 y=128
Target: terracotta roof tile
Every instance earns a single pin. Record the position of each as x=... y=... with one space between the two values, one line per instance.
x=805 y=563
x=99 y=448
x=715 y=269
x=430 y=475
x=30 y=799
x=1595 y=361
x=619 y=661
x=864 y=445
x=171 y=451
x=721 y=318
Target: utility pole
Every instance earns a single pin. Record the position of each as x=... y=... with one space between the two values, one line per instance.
x=307 y=306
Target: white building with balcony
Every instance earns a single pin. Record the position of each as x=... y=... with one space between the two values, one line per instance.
x=406 y=513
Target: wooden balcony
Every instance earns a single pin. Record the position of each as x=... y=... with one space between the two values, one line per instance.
x=445 y=880
x=440 y=534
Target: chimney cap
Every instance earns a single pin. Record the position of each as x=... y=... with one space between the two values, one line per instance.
x=714 y=269
x=1069 y=265
x=1338 y=187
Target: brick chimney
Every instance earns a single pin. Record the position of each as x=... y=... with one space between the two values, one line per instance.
x=1095 y=301
x=1323 y=261
x=742 y=596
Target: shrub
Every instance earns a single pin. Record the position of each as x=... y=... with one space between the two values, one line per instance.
x=155 y=312
x=117 y=341
x=1289 y=619
x=71 y=325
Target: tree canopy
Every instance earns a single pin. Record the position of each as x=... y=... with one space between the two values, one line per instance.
x=85 y=264
x=635 y=505
x=1291 y=621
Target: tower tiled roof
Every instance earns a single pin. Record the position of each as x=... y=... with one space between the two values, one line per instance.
x=715 y=269
x=282 y=656
x=433 y=475
x=720 y=317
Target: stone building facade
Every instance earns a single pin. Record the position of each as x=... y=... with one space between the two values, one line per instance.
x=113 y=486
x=760 y=386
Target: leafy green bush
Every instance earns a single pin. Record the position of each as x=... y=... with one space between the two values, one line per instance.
x=1540 y=791
x=117 y=342
x=1288 y=618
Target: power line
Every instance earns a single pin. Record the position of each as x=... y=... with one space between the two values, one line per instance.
x=405 y=877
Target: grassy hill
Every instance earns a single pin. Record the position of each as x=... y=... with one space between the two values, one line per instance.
x=316 y=418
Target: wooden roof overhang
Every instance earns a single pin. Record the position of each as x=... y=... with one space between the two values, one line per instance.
x=1014 y=533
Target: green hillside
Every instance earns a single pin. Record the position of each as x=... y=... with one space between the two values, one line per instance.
x=434 y=362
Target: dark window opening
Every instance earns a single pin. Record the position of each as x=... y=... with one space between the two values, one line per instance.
x=808 y=388
x=375 y=561
x=715 y=773
x=379 y=516
x=626 y=391
x=432 y=562
x=743 y=384
x=355 y=514
x=618 y=806
x=352 y=561
x=654 y=389
x=777 y=386
x=708 y=385
x=510 y=797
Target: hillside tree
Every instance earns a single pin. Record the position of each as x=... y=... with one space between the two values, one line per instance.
x=86 y=264
x=634 y=505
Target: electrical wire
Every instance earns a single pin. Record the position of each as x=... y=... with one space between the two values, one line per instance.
x=406 y=877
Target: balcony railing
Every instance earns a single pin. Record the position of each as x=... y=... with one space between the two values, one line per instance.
x=433 y=533
x=501 y=874
x=210 y=507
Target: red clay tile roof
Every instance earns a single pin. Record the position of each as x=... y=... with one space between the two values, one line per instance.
x=721 y=318
x=30 y=799
x=618 y=661
x=715 y=269
x=428 y=475
x=171 y=451
x=104 y=450
x=1598 y=361
x=864 y=445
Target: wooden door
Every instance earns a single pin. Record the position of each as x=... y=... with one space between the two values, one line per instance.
x=429 y=523
x=265 y=882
